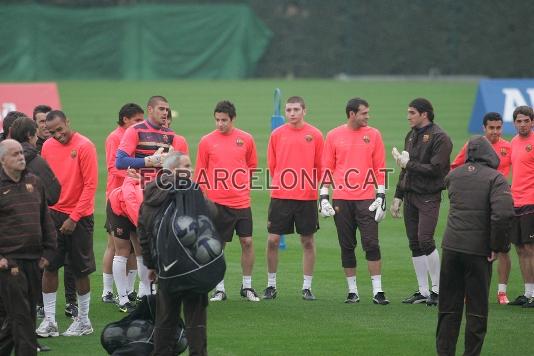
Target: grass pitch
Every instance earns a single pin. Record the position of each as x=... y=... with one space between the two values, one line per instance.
x=289 y=325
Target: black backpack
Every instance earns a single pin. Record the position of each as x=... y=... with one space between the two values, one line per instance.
x=186 y=246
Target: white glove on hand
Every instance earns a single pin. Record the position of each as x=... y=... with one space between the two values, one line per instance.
x=395 y=209
x=379 y=205
x=401 y=159
x=156 y=160
x=325 y=209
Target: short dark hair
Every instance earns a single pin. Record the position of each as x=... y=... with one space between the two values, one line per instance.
x=129 y=110
x=154 y=99
x=491 y=116
x=23 y=128
x=226 y=107
x=10 y=119
x=296 y=100
x=56 y=113
x=523 y=110
x=423 y=105
x=41 y=109
x=354 y=105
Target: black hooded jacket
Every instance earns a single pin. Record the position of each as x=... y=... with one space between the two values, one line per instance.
x=38 y=166
x=481 y=205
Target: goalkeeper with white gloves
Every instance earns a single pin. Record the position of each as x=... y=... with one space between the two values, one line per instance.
x=354 y=165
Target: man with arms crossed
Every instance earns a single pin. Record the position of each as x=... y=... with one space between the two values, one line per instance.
x=523 y=193
x=492 y=124
x=425 y=162
x=130 y=114
x=354 y=157
x=73 y=160
x=294 y=160
x=229 y=153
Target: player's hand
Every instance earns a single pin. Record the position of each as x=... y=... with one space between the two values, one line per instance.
x=401 y=158
x=68 y=227
x=43 y=263
x=325 y=208
x=132 y=173
x=395 y=209
x=379 y=205
x=3 y=263
x=152 y=275
x=156 y=160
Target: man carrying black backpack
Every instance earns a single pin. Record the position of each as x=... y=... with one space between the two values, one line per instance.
x=186 y=269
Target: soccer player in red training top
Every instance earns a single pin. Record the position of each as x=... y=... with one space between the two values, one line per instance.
x=226 y=158
x=73 y=160
x=294 y=159
x=144 y=145
x=492 y=123
x=354 y=157
x=523 y=194
x=130 y=114
x=122 y=213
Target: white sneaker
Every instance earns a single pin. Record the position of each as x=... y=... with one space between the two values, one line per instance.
x=79 y=328
x=47 y=329
x=250 y=294
x=218 y=296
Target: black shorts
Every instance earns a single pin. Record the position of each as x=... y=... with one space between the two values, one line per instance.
x=119 y=226
x=352 y=215
x=523 y=229
x=286 y=215
x=77 y=248
x=229 y=220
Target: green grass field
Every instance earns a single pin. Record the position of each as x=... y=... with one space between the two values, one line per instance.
x=288 y=325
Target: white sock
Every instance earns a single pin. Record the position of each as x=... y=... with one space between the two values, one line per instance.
x=432 y=261
x=271 y=279
x=306 y=284
x=247 y=281
x=377 y=283
x=351 y=282
x=421 y=270
x=121 y=280
x=107 y=281
x=131 y=280
x=83 y=305
x=529 y=290
x=220 y=286
x=49 y=303
x=502 y=288
x=142 y=271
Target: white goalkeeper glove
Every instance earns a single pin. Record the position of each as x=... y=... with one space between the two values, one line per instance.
x=395 y=209
x=401 y=159
x=379 y=205
x=156 y=160
x=325 y=209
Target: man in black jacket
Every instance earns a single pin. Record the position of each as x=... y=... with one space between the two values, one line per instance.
x=424 y=163
x=169 y=304
x=27 y=243
x=480 y=216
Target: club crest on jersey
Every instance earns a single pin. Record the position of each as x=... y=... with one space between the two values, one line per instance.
x=471 y=168
x=29 y=187
x=73 y=154
x=165 y=139
x=528 y=147
x=239 y=142
x=366 y=139
x=308 y=138
x=504 y=152
x=426 y=138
